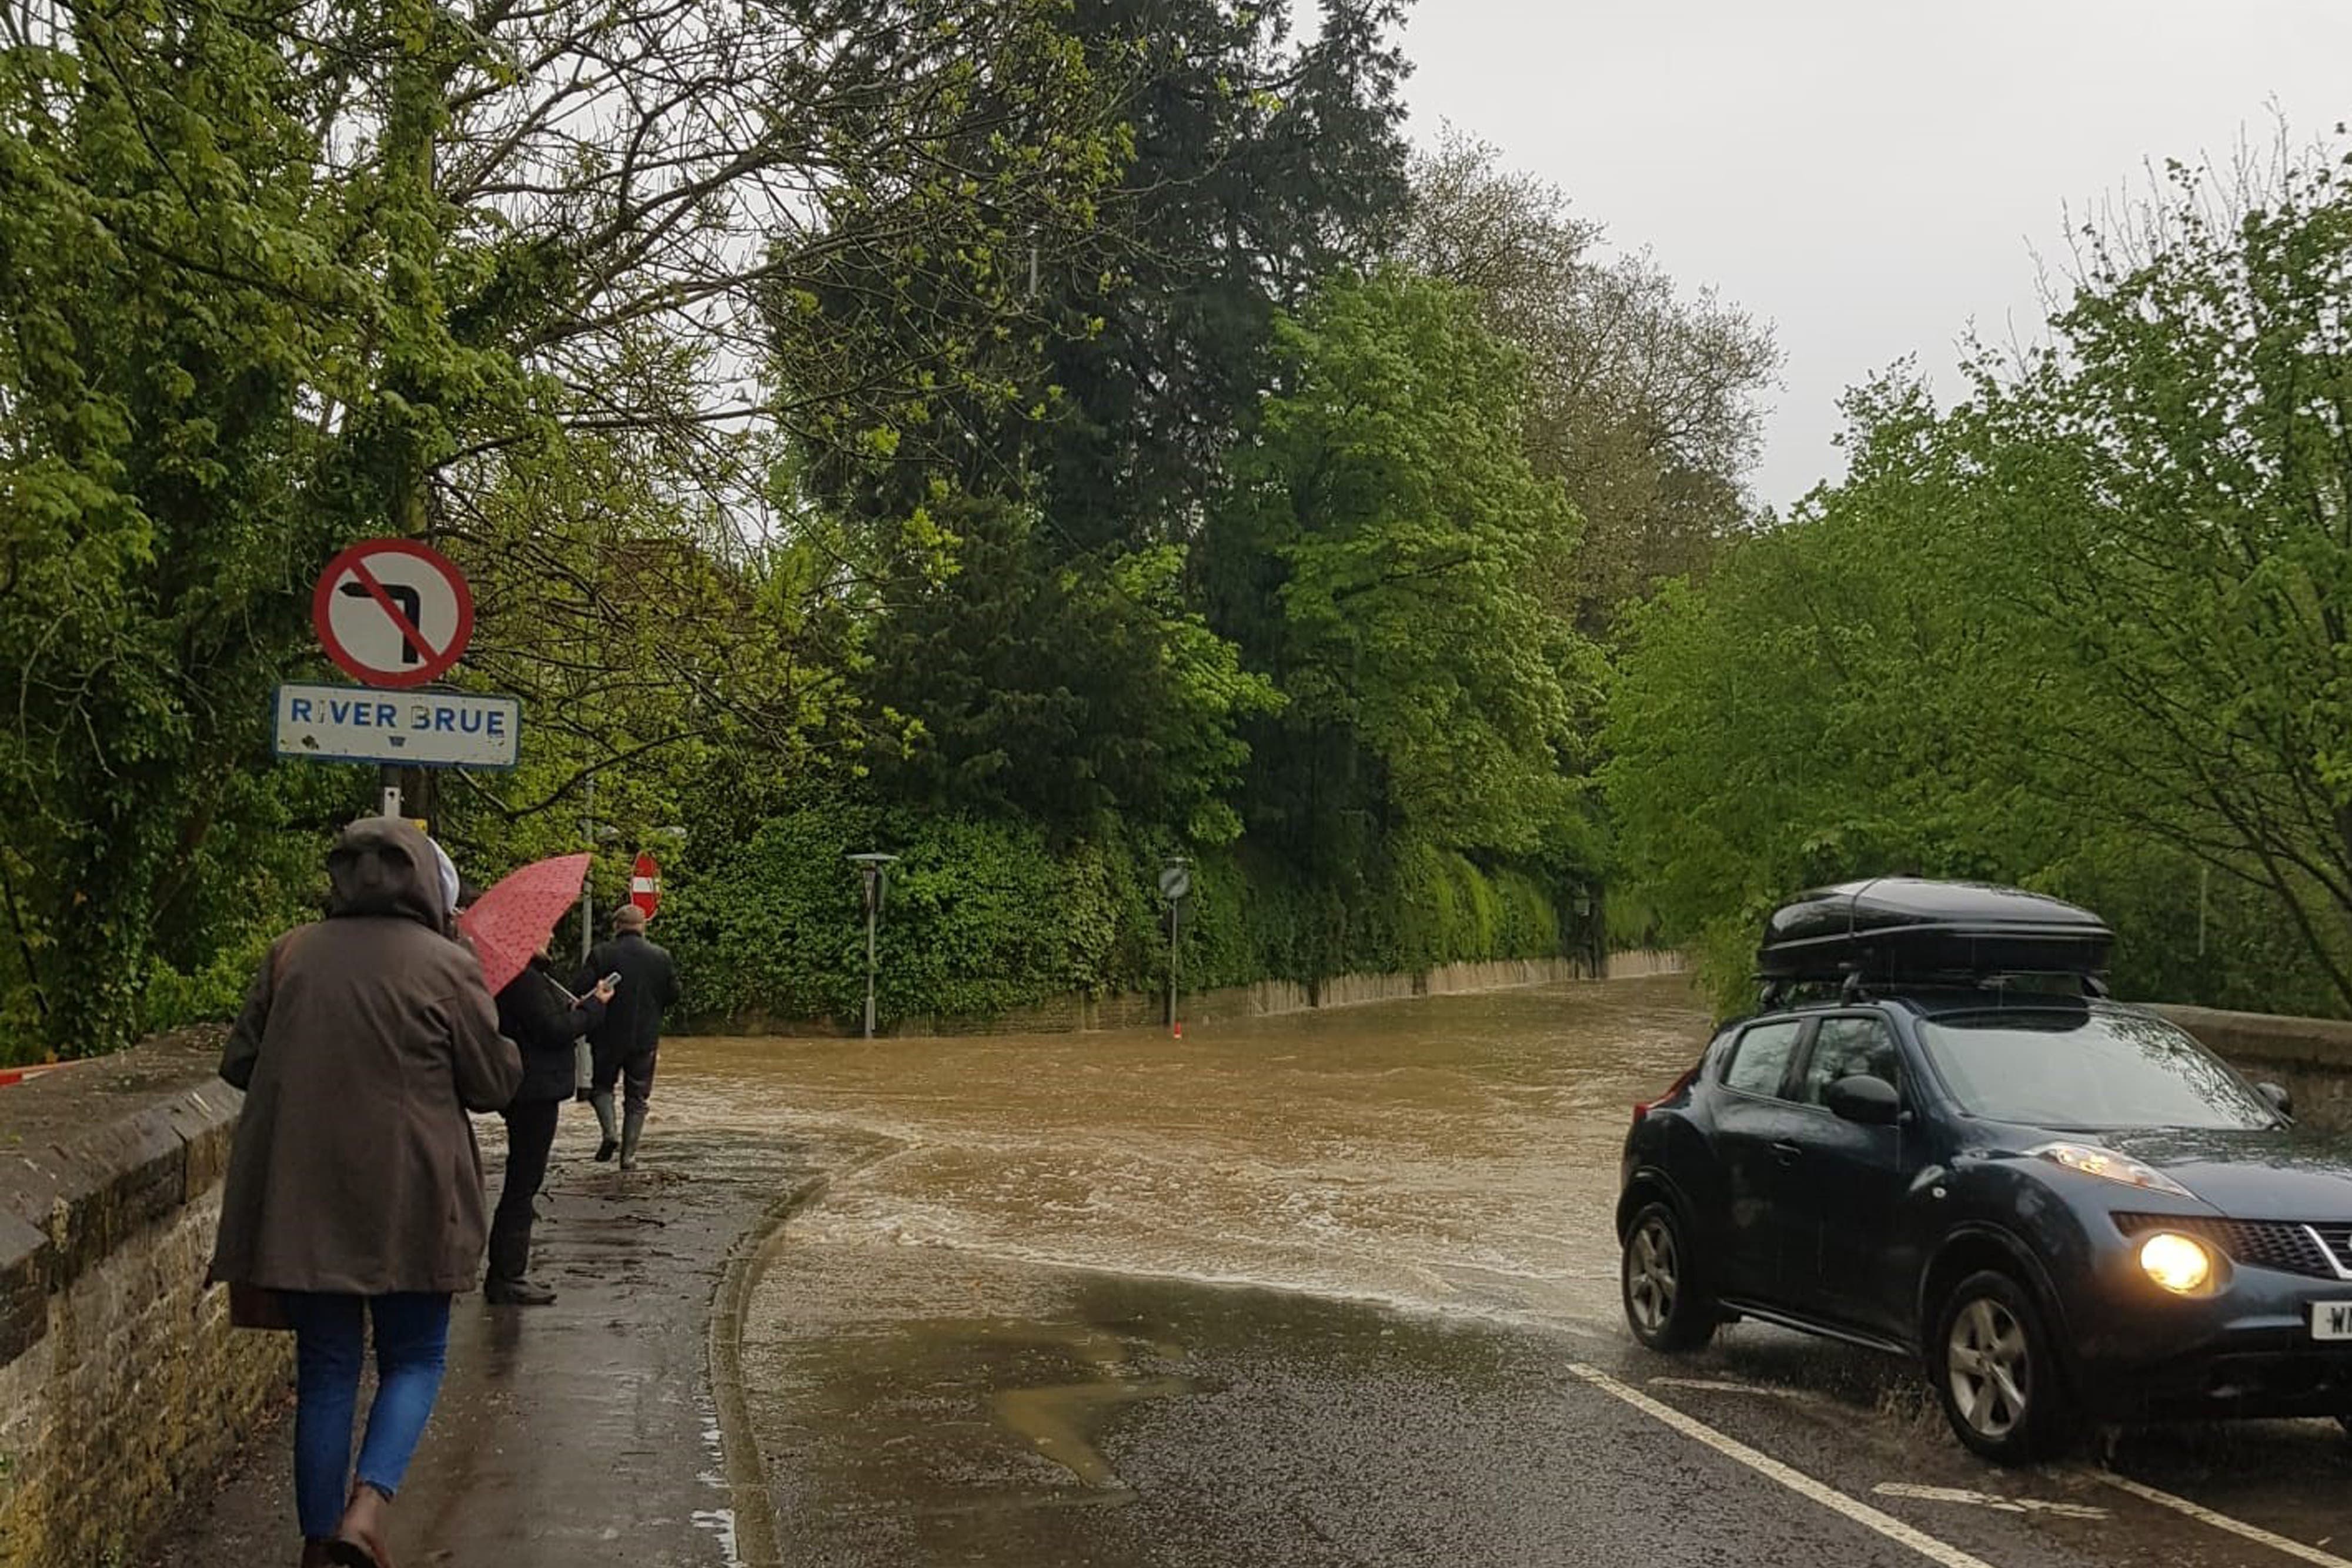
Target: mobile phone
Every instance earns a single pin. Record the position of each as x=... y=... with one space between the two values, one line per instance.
x=613 y=979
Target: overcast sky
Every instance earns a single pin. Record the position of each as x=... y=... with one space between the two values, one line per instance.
x=1869 y=175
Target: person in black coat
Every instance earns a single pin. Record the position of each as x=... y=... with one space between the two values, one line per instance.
x=542 y=1019
x=626 y=1041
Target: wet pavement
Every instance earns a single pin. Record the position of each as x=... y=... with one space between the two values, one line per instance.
x=1339 y=1288
x=584 y=1433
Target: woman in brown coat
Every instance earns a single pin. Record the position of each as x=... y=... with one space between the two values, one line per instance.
x=354 y=1188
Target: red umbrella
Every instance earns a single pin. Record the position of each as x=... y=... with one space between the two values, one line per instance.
x=514 y=920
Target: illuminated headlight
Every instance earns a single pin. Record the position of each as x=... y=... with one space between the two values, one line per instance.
x=2176 y=1262
x=2110 y=1165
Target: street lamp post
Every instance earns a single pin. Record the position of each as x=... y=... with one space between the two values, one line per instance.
x=876 y=869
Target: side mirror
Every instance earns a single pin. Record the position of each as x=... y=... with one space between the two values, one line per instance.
x=2281 y=1101
x=1871 y=1101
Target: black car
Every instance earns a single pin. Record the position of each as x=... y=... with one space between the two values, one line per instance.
x=1939 y=1139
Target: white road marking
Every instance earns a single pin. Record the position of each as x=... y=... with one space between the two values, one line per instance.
x=2236 y=1527
x=1796 y=1480
x=1988 y=1499
x=1716 y=1385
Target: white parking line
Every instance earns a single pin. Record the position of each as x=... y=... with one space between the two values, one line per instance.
x=2236 y=1527
x=1718 y=1385
x=1796 y=1480
x=1988 y=1499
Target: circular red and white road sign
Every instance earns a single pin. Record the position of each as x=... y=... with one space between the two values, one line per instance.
x=645 y=886
x=392 y=612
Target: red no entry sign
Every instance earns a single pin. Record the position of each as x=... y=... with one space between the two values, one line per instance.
x=392 y=612
x=645 y=886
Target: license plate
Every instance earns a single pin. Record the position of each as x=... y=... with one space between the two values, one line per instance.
x=2331 y=1320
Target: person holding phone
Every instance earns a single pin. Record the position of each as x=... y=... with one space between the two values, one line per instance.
x=544 y=1020
x=629 y=1038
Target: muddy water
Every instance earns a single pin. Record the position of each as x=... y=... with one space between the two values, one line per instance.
x=1457 y=1153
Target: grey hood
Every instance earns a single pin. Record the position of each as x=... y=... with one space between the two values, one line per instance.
x=381 y=866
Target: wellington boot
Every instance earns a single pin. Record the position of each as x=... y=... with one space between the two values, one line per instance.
x=603 y=1102
x=632 y=1127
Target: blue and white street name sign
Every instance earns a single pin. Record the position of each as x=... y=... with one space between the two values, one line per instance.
x=407 y=729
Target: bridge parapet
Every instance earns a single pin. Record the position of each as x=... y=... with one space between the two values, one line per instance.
x=122 y=1384
x=2312 y=1058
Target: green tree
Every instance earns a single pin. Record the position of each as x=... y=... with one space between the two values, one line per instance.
x=2084 y=631
x=1060 y=692
x=1644 y=400
x=1027 y=529
x=277 y=280
x=1377 y=555
x=166 y=297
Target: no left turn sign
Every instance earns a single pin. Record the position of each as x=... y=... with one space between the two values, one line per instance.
x=392 y=612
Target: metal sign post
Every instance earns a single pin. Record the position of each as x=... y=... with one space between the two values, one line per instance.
x=588 y=894
x=876 y=869
x=1175 y=886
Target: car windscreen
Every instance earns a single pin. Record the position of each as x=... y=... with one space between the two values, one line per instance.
x=2086 y=1069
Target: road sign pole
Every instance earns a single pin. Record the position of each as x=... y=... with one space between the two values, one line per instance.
x=1175 y=940
x=588 y=896
x=876 y=867
x=388 y=802
x=873 y=875
x=1175 y=886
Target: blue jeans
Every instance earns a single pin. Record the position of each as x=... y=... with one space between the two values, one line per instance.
x=411 y=1347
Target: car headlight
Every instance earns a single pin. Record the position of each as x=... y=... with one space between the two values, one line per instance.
x=2108 y=1165
x=2177 y=1262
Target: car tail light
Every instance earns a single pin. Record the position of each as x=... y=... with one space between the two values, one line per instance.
x=1641 y=1108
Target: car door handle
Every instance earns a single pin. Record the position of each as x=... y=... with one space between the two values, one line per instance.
x=1786 y=1154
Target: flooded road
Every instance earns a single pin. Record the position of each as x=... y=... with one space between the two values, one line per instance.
x=1341 y=1288
x=1459 y=1151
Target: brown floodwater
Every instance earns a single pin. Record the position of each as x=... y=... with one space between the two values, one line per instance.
x=1453 y=1153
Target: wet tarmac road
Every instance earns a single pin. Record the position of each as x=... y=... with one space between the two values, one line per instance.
x=1339 y=1288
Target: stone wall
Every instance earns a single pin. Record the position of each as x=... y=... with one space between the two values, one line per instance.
x=122 y=1384
x=2310 y=1058
x=1080 y=1013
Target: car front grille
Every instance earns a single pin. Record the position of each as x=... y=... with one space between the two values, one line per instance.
x=2321 y=1251
x=2337 y=1239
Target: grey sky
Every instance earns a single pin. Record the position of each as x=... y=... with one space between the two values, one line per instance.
x=1869 y=175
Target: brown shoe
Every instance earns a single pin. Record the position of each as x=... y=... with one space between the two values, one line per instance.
x=314 y=1553
x=359 y=1543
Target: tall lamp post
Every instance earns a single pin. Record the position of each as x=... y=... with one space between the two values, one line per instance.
x=877 y=870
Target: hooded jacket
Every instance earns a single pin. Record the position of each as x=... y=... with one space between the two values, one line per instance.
x=366 y=1041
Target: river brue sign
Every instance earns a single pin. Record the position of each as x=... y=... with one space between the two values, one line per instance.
x=409 y=729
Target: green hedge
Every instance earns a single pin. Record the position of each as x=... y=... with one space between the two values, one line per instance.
x=986 y=916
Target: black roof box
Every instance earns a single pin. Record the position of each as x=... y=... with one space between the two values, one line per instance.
x=1905 y=928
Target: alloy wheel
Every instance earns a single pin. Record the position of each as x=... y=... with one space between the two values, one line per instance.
x=1991 y=1367
x=1654 y=1275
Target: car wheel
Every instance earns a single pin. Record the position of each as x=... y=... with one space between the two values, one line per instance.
x=1997 y=1373
x=1666 y=1305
